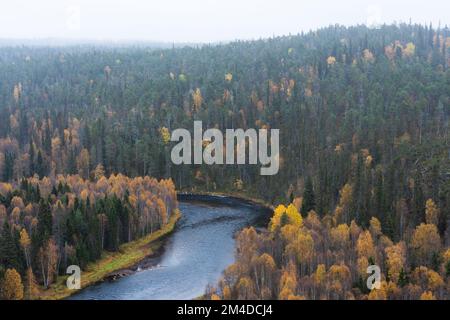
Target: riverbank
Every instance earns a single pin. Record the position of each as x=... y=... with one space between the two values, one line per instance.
x=129 y=255
x=145 y=252
x=193 y=257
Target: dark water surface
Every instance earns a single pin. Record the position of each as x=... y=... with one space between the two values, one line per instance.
x=195 y=255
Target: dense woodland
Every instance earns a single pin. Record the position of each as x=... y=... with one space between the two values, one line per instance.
x=312 y=258
x=361 y=112
x=49 y=224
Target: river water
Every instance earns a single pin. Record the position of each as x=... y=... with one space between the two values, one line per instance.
x=195 y=255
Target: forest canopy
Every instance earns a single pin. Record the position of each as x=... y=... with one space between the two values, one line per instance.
x=302 y=256
x=363 y=116
x=51 y=223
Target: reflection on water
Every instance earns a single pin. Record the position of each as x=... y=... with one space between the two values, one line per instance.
x=195 y=256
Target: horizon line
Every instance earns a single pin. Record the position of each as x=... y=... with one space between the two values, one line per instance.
x=62 y=41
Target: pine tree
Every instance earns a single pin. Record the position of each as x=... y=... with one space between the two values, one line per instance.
x=32 y=160
x=309 y=200
x=40 y=166
x=47 y=140
x=9 y=253
x=44 y=227
x=418 y=201
x=8 y=169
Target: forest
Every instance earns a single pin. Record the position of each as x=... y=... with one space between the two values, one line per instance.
x=363 y=116
x=307 y=257
x=52 y=223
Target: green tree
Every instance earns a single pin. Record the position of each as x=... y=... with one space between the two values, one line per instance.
x=309 y=200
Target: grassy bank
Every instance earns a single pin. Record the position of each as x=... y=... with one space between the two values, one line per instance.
x=129 y=254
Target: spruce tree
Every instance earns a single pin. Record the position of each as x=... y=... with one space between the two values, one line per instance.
x=8 y=167
x=40 y=166
x=9 y=254
x=309 y=200
x=44 y=227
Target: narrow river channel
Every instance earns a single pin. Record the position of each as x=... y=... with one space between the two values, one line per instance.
x=195 y=255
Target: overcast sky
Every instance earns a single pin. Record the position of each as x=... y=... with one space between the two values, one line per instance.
x=201 y=20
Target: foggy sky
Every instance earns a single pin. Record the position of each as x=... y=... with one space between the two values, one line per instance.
x=201 y=20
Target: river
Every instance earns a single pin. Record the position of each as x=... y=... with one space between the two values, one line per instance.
x=194 y=256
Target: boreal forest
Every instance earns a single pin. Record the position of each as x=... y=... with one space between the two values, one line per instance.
x=364 y=174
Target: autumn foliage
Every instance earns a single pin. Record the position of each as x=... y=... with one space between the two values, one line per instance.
x=50 y=223
x=314 y=257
